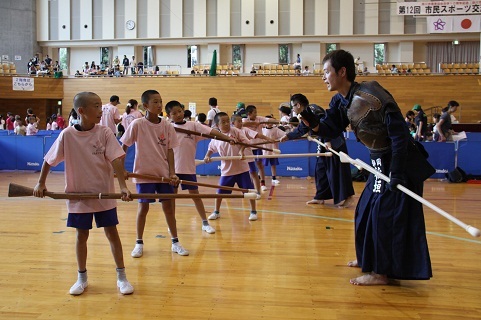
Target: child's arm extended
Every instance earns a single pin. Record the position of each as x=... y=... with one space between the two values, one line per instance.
x=118 y=165
x=217 y=133
x=40 y=188
x=170 y=159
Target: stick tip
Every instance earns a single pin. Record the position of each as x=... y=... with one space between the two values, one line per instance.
x=250 y=195
x=276 y=151
x=473 y=231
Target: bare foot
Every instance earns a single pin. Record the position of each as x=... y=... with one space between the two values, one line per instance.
x=353 y=264
x=315 y=201
x=372 y=279
x=346 y=204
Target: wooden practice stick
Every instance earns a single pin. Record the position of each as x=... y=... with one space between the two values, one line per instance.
x=15 y=190
x=267 y=156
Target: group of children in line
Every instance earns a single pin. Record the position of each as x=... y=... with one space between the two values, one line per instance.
x=158 y=153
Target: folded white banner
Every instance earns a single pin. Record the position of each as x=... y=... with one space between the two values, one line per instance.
x=450 y=24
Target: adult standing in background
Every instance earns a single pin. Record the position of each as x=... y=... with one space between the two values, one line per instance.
x=214 y=109
x=110 y=114
x=443 y=127
x=421 y=121
x=132 y=65
x=126 y=64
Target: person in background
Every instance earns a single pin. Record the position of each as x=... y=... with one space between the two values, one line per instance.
x=187 y=114
x=10 y=121
x=275 y=134
x=60 y=121
x=126 y=64
x=110 y=114
x=32 y=125
x=241 y=109
x=201 y=118
x=2 y=122
x=306 y=71
x=20 y=129
x=443 y=127
x=49 y=123
x=73 y=118
x=421 y=122
x=214 y=109
x=132 y=65
x=131 y=113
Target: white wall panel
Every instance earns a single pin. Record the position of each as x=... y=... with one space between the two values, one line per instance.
x=346 y=24
x=176 y=19
x=371 y=16
x=200 y=18
x=130 y=14
x=322 y=17
x=108 y=12
x=64 y=20
x=396 y=22
x=296 y=18
x=247 y=14
x=223 y=18
x=272 y=13
x=153 y=19
x=86 y=19
x=42 y=20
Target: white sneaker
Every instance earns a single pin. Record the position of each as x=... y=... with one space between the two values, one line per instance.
x=177 y=248
x=253 y=217
x=214 y=216
x=78 y=287
x=263 y=188
x=125 y=286
x=275 y=182
x=208 y=229
x=138 y=250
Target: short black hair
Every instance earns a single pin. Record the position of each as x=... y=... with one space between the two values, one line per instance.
x=218 y=115
x=201 y=117
x=339 y=59
x=213 y=101
x=114 y=98
x=171 y=104
x=301 y=99
x=453 y=103
x=187 y=113
x=146 y=95
x=250 y=108
x=285 y=110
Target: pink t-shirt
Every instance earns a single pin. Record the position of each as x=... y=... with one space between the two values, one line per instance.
x=257 y=127
x=128 y=118
x=109 y=113
x=88 y=157
x=273 y=133
x=224 y=149
x=152 y=142
x=251 y=135
x=184 y=154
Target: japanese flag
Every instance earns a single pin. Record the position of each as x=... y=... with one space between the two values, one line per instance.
x=470 y=23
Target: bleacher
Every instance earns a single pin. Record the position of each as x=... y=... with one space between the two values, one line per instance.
x=8 y=68
x=419 y=68
x=459 y=68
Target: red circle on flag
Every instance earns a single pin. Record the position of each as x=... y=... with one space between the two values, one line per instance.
x=466 y=24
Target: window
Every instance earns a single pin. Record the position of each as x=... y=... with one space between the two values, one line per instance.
x=237 y=55
x=63 y=58
x=379 y=53
x=104 y=57
x=191 y=56
x=148 y=54
x=330 y=47
x=283 y=53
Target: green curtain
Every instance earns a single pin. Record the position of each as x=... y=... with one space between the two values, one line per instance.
x=213 y=65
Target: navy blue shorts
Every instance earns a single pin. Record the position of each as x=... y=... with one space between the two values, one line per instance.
x=153 y=188
x=83 y=221
x=243 y=180
x=257 y=152
x=188 y=177
x=252 y=167
x=270 y=161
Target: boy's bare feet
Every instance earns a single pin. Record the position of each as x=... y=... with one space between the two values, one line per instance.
x=353 y=264
x=372 y=279
x=315 y=201
x=347 y=203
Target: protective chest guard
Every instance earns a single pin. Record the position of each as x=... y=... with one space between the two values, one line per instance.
x=366 y=113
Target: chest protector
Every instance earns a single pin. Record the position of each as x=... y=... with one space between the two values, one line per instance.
x=366 y=113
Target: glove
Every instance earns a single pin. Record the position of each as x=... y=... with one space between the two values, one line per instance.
x=309 y=119
x=396 y=179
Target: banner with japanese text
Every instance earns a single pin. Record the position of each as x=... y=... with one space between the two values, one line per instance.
x=23 y=84
x=438 y=8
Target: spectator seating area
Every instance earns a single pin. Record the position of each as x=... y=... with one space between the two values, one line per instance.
x=460 y=68
x=221 y=69
x=8 y=68
x=403 y=69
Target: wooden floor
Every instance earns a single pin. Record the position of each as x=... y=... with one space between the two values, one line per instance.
x=290 y=264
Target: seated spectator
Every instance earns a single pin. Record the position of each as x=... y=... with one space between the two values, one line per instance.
x=253 y=71
x=394 y=69
x=365 y=72
x=77 y=74
x=306 y=71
